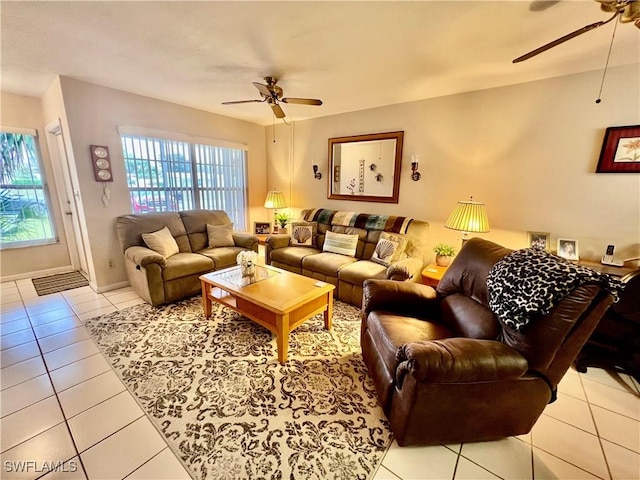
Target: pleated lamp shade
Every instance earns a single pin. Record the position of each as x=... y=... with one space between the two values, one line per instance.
x=275 y=199
x=469 y=217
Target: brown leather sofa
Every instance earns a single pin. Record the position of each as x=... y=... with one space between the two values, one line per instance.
x=444 y=367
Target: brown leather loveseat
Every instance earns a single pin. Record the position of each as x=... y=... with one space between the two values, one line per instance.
x=447 y=370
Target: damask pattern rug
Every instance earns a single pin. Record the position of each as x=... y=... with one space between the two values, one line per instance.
x=226 y=406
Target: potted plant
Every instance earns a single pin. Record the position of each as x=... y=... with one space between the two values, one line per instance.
x=444 y=253
x=281 y=221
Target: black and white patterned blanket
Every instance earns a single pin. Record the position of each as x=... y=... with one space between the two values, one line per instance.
x=530 y=282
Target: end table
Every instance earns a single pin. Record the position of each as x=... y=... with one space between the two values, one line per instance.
x=432 y=274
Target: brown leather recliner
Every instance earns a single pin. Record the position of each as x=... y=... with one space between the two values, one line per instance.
x=444 y=367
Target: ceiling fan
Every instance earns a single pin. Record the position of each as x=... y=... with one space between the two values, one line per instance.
x=272 y=94
x=627 y=10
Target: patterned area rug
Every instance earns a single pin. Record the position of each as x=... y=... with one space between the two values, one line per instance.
x=59 y=283
x=230 y=410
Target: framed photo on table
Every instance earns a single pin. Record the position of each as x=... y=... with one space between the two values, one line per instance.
x=568 y=248
x=541 y=240
x=261 y=228
x=620 y=150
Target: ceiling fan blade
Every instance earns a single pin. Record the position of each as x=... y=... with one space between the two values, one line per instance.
x=242 y=101
x=560 y=40
x=264 y=90
x=302 y=101
x=277 y=111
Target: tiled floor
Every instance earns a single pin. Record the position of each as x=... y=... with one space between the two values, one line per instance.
x=60 y=401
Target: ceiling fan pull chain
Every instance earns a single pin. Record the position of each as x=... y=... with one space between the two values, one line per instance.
x=606 y=65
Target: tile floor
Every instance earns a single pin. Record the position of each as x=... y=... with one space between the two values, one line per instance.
x=60 y=401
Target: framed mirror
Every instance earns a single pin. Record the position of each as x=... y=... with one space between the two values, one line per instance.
x=365 y=168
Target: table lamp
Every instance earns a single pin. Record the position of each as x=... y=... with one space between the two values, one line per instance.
x=275 y=199
x=468 y=217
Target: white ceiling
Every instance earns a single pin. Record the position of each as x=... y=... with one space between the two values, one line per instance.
x=352 y=55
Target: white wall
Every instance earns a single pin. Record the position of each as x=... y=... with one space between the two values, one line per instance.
x=90 y=115
x=528 y=151
x=18 y=111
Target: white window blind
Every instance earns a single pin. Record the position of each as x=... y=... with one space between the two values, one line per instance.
x=166 y=174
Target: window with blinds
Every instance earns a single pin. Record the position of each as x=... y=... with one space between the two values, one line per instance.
x=25 y=209
x=170 y=175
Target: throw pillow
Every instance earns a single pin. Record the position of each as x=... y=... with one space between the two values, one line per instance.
x=220 y=235
x=161 y=242
x=303 y=234
x=389 y=248
x=341 y=243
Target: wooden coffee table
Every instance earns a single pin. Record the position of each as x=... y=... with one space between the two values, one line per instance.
x=274 y=298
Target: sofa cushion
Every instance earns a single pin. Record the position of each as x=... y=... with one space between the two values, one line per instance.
x=303 y=234
x=389 y=248
x=341 y=243
x=161 y=242
x=220 y=235
x=223 y=257
x=357 y=272
x=292 y=255
x=195 y=224
x=131 y=227
x=184 y=264
x=363 y=236
x=327 y=263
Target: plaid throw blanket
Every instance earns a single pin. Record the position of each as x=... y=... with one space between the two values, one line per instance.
x=528 y=283
x=387 y=223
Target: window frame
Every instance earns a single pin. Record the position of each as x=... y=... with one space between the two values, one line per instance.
x=200 y=190
x=33 y=187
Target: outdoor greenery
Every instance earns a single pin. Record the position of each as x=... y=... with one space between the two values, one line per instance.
x=24 y=216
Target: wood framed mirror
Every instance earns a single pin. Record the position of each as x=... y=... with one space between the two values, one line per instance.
x=365 y=168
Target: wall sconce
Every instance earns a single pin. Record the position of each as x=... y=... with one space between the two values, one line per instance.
x=415 y=174
x=316 y=174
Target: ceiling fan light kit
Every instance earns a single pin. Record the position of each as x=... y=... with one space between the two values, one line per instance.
x=273 y=95
x=627 y=10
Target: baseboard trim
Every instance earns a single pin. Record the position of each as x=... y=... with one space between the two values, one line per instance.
x=108 y=288
x=36 y=274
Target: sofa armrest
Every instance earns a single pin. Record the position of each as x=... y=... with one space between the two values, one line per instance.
x=402 y=298
x=278 y=241
x=246 y=240
x=274 y=242
x=404 y=269
x=455 y=360
x=143 y=256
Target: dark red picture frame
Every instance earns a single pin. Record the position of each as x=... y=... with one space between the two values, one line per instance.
x=620 y=150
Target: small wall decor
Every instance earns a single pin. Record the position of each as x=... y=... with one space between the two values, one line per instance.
x=541 y=240
x=101 y=163
x=620 y=150
x=261 y=228
x=568 y=248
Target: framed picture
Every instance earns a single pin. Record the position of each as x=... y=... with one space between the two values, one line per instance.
x=261 y=228
x=541 y=240
x=620 y=150
x=568 y=248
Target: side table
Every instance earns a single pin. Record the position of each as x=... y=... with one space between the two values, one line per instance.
x=432 y=274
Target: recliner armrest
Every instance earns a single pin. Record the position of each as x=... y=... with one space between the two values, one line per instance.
x=245 y=240
x=455 y=360
x=404 y=269
x=143 y=256
x=402 y=298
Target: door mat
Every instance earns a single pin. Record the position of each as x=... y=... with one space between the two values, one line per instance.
x=59 y=283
